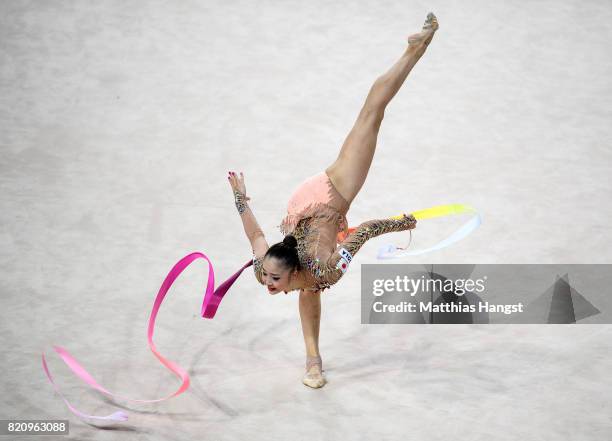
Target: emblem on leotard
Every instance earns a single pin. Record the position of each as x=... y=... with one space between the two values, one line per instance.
x=345 y=259
x=346 y=255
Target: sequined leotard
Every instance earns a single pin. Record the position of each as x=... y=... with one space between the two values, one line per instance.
x=326 y=263
x=316 y=216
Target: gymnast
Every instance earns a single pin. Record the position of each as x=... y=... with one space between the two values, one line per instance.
x=318 y=247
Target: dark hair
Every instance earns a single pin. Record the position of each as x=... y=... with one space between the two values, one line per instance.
x=286 y=252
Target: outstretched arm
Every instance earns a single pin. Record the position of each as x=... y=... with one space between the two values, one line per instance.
x=251 y=227
x=331 y=271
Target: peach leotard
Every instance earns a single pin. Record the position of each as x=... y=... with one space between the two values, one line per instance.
x=316 y=214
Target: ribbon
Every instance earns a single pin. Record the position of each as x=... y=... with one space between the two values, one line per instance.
x=390 y=251
x=212 y=299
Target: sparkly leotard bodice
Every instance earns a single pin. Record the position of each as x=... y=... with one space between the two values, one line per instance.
x=322 y=259
x=316 y=216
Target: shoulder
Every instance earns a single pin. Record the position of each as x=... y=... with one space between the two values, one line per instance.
x=258 y=268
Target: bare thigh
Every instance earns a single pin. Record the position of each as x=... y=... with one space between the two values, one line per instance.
x=349 y=171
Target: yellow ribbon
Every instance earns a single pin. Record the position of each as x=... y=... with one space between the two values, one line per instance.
x=439 y=211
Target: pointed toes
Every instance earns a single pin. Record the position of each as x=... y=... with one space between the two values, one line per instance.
x=431 y=21
x=314 y=381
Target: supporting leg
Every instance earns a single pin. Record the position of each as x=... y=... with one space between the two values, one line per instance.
x=349 y=171
x=310 y=315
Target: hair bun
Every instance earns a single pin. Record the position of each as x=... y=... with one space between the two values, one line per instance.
x=290 y=241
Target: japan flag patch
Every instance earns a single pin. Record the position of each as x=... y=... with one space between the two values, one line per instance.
x=345 y=260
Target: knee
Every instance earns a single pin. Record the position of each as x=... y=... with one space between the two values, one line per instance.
x=372 y=114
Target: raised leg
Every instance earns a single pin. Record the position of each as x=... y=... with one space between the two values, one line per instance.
x=350 y=169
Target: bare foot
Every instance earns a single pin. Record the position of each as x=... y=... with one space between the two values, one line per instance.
x=423 y=38
x=314 y=373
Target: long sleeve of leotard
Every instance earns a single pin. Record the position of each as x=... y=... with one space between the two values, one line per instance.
x=329 y=272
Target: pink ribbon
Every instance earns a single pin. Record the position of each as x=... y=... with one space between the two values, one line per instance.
x=211 y=302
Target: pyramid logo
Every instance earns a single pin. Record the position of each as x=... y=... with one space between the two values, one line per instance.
x=559 y=304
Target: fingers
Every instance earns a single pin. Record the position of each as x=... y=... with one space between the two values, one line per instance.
x=234 y=180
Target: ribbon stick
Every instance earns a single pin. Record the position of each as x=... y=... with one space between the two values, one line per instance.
x=210 y=304
x=390 y=251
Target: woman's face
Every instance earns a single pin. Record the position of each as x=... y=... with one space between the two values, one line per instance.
x=275 y=276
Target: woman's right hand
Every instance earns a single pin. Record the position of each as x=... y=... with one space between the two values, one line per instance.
x=237 y=183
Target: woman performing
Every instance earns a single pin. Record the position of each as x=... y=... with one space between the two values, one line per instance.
x=318 y=248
